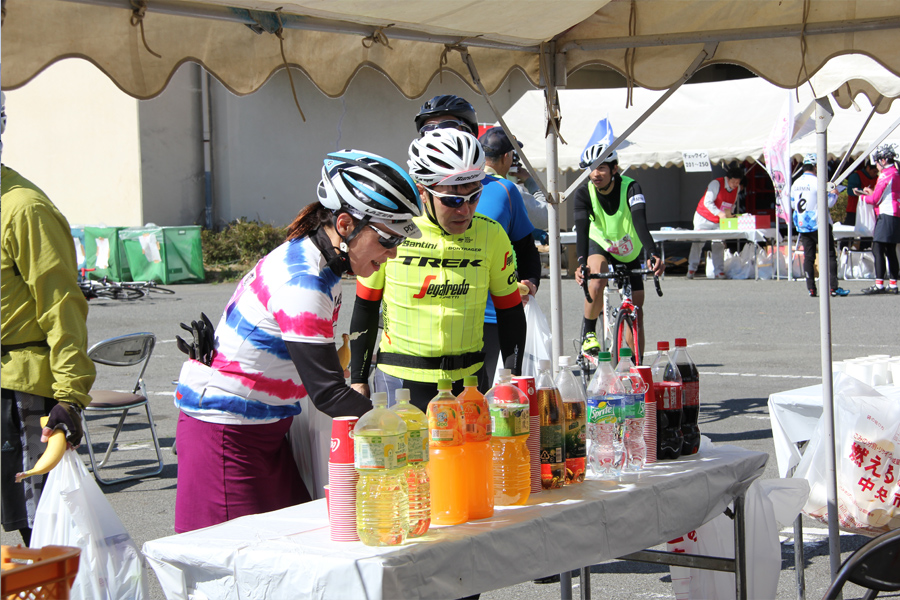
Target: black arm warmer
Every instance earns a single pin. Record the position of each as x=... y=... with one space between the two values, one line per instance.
x=511 y=327
x=528 y=260
x=364 y=328
x=582 y=222
x=323 y=379
x=639 y=217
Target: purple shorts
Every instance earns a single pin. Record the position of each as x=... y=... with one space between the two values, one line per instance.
x=228 y=471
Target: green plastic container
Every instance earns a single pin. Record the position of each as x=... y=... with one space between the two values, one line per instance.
x=164 y=254
x=104 y=254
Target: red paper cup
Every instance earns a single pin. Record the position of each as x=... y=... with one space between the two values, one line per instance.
x=328 y=503
x=341 y=442
x=649 y=412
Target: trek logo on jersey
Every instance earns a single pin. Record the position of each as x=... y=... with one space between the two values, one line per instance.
x=442 y=290
x=438 y=263
x=507 y=260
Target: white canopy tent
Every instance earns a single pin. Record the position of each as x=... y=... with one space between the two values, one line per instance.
x=728 y=119
x=655 y=44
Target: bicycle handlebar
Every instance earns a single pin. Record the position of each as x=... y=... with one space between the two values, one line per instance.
x=620 y=274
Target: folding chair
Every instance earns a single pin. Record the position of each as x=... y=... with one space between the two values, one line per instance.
x=124 y=351
x=875 y=566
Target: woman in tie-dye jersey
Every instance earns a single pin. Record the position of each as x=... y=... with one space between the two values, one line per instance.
x=275 y=345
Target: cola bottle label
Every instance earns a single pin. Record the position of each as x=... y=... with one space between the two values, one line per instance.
x=691 y=393
x=668 y=395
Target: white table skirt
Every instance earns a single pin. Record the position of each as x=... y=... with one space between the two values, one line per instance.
x=794 y=414
x=288 y=553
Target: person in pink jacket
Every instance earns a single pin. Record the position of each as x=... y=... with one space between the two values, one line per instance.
x=886 y=200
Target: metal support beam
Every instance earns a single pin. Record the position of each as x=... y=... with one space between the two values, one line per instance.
x=708 y=51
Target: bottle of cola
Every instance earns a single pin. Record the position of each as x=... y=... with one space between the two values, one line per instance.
x=668 y=387
x=690 y=397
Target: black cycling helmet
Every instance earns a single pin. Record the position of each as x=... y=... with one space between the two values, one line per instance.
x=448 y=104
x=886 y=152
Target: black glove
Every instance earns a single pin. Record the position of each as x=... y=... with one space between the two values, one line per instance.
x=67 y=416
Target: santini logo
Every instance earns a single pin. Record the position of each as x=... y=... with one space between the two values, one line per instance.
x=442 y=290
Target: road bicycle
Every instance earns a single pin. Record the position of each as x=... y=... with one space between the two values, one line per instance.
x=108 y=289
x=620 y=322
x=147 y=287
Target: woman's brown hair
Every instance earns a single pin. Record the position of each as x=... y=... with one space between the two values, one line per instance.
x=311 y=218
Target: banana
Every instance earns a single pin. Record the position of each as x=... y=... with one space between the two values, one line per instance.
x=344 y=352
x=523 y=289
x=56 y=447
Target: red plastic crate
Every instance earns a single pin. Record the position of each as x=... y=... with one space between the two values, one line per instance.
x=38 y=573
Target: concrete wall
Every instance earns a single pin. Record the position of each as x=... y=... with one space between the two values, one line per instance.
x=75 y=135
x=172 y=152
x=268 y=162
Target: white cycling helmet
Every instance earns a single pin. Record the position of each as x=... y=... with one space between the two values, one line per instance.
x=593 y=152
x=446 y=157
x=811 y=159
x=372 y=188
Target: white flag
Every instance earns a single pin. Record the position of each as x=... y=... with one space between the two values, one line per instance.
x=777 y=155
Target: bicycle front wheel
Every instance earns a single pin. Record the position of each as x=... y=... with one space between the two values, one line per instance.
x=156 y=289
x=626 y=336
x=119 y=293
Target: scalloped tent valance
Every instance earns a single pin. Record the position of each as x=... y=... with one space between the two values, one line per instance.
x=237 y=41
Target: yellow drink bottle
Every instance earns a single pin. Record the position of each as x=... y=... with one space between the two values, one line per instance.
x=379 y=454
x=446 y=467
x=417 y=459
x=510 y=426
x=479 y=459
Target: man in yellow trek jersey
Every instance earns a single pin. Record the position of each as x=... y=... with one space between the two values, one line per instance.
x=433 y=294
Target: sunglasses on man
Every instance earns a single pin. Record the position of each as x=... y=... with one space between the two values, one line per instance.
x=457 y=200
x=448 y=124
x=388 y=241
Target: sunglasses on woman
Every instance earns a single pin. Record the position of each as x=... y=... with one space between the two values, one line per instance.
x=448 y=124
x=457 y=200
x=388 y=241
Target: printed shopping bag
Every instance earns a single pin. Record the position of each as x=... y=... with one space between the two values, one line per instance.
x=866 y=438
x=73 y=511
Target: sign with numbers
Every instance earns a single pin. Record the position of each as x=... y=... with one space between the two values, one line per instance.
x=696 y=161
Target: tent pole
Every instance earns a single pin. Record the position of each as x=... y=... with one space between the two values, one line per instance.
x=856 y=140
x=550 y=81
x=824 y=114
x=708 y=51
x=868 y=151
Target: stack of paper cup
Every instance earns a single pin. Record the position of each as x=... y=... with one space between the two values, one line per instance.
x=861 y=369
x=342 y=478
x=649 y=413
x=894 y=367
x=527 y=385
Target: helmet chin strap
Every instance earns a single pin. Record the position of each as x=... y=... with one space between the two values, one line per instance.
x=432 y=214
x=340 y=262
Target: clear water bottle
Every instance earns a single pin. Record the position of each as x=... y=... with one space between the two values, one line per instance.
x=382 y=497
x=574 y=402
x=419 y=485
x=632 y=413
x=605 y=401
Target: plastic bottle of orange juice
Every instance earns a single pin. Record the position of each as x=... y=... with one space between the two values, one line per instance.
x=479 y=459
x=510 y=425
x=446 y=466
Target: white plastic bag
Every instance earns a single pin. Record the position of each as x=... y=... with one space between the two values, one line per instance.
x=537 y=339
x=74 y=512
x=766 y=264
x=769 y=505
x=867 y=432
x=865 y=218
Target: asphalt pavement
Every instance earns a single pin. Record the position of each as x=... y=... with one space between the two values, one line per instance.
x=748 y=338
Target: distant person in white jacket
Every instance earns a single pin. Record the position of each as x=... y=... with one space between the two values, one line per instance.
x=718 y=201
x=805 y=210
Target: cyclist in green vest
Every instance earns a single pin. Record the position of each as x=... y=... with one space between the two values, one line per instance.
x=610 y=228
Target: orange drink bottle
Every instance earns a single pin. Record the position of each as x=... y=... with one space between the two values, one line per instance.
x=446 y=466
x=417 y=461
x=479 y=459
x=510 y=426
